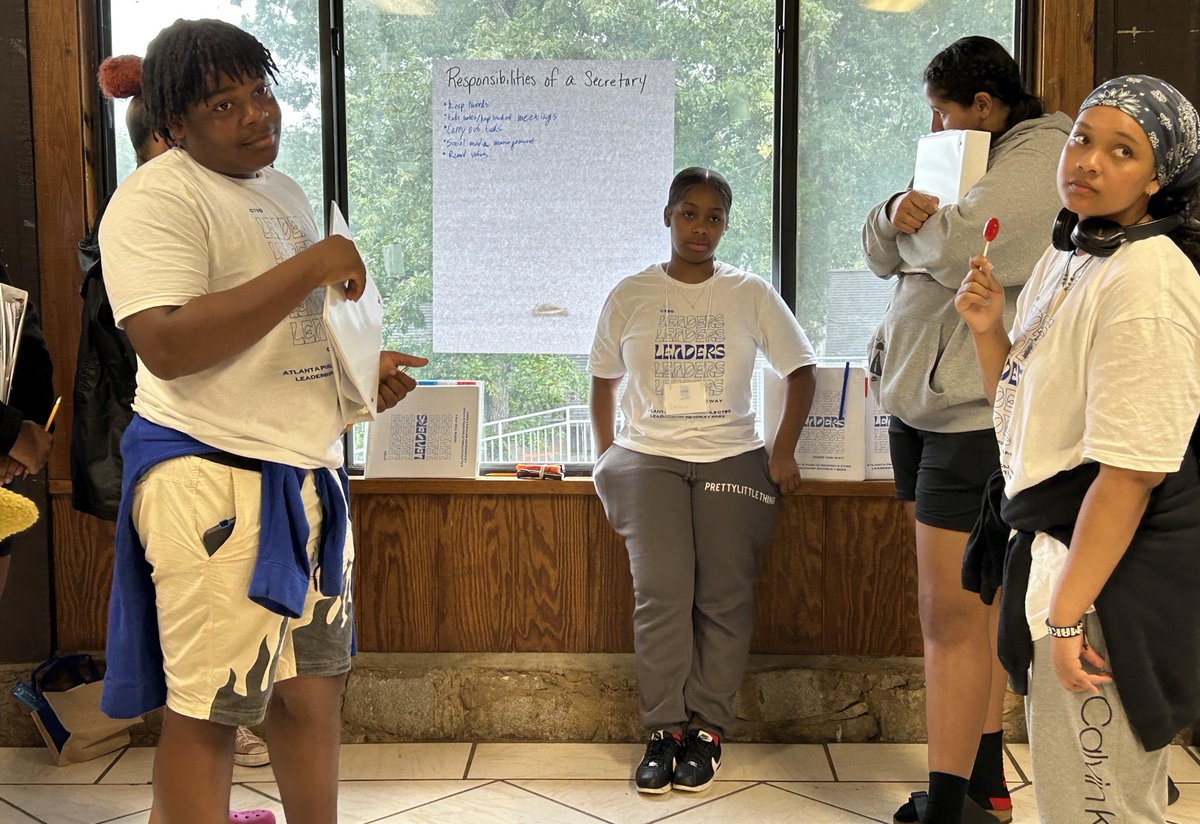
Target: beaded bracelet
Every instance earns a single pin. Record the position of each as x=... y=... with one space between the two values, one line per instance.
x=1064 y=632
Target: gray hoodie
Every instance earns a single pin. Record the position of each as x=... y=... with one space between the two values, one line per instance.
x=923 y=359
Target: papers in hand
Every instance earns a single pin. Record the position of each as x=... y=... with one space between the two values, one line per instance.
x=12 y=308
x=949 y=163
x=355 y=338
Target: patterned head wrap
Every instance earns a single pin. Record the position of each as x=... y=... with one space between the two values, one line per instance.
x=1166 y=116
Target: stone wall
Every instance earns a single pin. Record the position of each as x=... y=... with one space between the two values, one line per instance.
x=592 y=697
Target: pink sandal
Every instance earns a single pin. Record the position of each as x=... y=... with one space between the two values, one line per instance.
x=251 y=817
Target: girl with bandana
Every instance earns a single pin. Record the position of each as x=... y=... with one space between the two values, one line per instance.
x=1097 y=393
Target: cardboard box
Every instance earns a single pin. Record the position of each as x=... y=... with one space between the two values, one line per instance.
x=432 y=433
x=845 y=437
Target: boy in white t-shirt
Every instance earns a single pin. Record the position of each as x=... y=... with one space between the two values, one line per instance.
x=233 y=578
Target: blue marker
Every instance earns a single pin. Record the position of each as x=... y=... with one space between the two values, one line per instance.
x=845 y=383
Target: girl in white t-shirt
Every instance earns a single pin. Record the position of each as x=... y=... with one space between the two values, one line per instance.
x=687 y=482
x=1097 y=393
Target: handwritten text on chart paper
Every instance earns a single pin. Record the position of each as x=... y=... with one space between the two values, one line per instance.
x=517 y=77
x=470 y=132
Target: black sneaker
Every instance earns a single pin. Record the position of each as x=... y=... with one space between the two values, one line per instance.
x=999 y=809
x=698 y=763
x=658 y=764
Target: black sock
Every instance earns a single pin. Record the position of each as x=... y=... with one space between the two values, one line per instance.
x=987 y=777
x=946 y=795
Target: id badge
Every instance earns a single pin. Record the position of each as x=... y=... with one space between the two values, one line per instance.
x=685 y=398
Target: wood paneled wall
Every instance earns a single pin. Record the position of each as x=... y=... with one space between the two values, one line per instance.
x=524 y=566
x=61 y=79
x=1064 y=48
x=538 y=569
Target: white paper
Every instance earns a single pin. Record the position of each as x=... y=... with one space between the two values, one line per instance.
x=949 y=163
x=355 y=330
x=12 y=319
x=527 y=157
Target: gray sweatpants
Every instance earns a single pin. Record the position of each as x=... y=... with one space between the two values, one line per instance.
x=693 y=532
x=1088 y=765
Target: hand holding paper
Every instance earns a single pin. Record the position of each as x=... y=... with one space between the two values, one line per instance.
x=341 y=265
x=394 y=382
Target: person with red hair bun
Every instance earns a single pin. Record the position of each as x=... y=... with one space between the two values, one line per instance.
x=121 y=77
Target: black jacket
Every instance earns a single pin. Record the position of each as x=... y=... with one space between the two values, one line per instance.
x=32 y=395
x=1147 y=608
x=105 y=380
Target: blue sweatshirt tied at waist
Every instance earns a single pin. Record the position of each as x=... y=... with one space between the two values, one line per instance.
x=134 y=682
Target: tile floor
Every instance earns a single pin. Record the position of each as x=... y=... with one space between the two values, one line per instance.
x=467 y=783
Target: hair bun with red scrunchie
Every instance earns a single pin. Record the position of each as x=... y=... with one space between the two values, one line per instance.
x=121 y=76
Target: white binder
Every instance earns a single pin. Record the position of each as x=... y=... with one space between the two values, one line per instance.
x=949 y=163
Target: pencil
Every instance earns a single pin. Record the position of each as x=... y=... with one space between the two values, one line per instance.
x=53 y=412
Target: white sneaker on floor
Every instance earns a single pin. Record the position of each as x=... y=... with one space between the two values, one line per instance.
x=249 y=750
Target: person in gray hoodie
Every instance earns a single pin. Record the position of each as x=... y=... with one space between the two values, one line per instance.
x=924 y=368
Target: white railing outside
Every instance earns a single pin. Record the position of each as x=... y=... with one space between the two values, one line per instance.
x=564 y=435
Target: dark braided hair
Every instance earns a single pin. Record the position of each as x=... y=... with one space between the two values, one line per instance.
x=976 y=64
x=692 y=175
x=186 y=59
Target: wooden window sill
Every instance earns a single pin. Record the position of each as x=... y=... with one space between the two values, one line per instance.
x=569 y=486
x=492 y=485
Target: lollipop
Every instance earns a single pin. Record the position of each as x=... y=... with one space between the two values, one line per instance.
x=990 y=230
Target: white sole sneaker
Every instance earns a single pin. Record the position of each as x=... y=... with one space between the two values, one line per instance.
x=653 y=790
x=256 y=759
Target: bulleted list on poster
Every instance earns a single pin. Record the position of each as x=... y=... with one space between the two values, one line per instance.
x=433 y=433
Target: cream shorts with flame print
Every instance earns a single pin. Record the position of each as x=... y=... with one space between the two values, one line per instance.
x=222 y=653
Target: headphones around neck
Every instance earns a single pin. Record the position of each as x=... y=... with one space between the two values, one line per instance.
x=1102 y=237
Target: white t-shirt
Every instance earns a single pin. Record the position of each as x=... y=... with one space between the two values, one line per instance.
x=1112 y=376
x=176 y=230
x=662 y=331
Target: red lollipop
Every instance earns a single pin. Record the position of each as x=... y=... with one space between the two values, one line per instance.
x=990 y=230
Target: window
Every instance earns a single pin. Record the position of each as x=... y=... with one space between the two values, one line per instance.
x=862 y=107
x=723 y=55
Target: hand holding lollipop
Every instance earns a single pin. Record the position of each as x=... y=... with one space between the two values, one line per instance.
x=974 y=298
